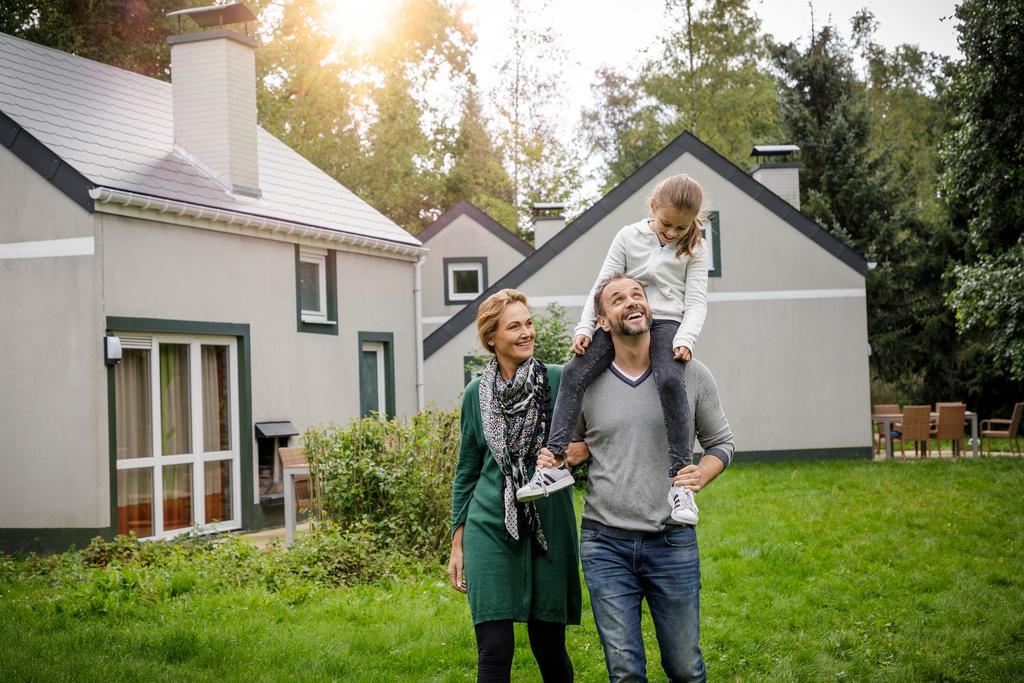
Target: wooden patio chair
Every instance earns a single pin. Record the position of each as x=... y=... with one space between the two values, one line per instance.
x=1011 y=432
x=915 y=426
x=950 y=426
x=882 y=409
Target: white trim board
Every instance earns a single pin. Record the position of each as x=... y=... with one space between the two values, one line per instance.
x=75 y=246
x=576 y=300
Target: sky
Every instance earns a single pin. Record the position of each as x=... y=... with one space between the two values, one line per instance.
x=597 y=32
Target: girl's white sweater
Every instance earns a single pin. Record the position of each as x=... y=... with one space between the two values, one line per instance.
x=677 y=288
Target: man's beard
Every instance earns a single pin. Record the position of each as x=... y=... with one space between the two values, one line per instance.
x=629 y=328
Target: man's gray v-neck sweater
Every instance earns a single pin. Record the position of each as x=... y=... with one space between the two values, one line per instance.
x=622 y=423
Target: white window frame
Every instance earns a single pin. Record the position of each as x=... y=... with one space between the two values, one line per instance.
x=382 y=398
x=319 y=258
x=476 y=266
x=197 y=458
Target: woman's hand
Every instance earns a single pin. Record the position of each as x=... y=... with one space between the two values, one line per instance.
x=682 y=353
x=580 y=343
x=456 y=564
x=547 y=459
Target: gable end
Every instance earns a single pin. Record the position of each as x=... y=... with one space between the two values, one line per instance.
x=465 y=208
x=44 y=162
x=686 y=142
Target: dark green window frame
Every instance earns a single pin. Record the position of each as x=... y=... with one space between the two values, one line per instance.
x=388 y=340
x=331 y=277
x=252 y=516
x=466 y=260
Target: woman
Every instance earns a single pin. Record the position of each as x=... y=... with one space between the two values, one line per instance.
x=517 y=561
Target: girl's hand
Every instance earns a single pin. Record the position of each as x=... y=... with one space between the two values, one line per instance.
x=682 y=353
x=456 y=564
x=580 y=343
x=688 y=477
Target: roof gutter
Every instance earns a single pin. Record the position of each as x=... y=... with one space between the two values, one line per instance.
x=106 y=195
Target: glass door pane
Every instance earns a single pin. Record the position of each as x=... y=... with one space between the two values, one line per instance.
x=135 y=501
x=134 y=438
x=175 y=406
x=216 y=399
x=177 y=496
x=217 y=481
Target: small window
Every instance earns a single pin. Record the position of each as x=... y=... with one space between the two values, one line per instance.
x=376 y=374
x=316 y=290
x=464 y=279
x=713 y=238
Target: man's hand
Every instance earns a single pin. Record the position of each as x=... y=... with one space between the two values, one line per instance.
x=696 y=477
x=580 y=343
x=456 y=564
x=577 y=452
x=682 y=353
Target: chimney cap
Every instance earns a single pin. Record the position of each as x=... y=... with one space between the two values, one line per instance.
x=216 y=15
x=773 y=150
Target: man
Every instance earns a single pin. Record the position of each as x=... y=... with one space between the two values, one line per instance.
x=630 y=548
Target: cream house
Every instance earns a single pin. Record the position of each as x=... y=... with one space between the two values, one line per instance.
x=786 y=331
x=181 y=294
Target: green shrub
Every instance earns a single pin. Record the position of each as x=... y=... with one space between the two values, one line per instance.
x=388 y=483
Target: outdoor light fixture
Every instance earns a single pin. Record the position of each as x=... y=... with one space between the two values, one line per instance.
x=111 y=350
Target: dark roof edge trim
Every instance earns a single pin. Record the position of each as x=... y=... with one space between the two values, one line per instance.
x=465 y=208
x=685 y=142
x=43 y=161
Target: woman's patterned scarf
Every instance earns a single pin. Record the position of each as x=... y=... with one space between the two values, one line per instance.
x=515 y=420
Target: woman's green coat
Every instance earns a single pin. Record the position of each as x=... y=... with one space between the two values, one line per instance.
x=505 y=579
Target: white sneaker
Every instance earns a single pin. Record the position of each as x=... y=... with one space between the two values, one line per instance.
x=545 y=482
x=684 y=507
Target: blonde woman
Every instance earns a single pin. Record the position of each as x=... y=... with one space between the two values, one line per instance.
x=517 y=561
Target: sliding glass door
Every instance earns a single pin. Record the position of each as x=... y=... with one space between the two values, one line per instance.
x=176 y=414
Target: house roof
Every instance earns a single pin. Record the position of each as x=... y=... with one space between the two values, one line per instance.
x=83 y=124
x=686 y=142
x=465 y=208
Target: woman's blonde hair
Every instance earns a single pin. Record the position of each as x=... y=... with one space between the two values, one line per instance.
x=490 y=311
x=683 y=193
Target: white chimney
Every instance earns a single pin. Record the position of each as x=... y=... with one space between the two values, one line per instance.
x=213 y=80
x=777 y=171
x=548 y=221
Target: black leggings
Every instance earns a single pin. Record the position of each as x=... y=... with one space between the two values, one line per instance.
x=495 y=644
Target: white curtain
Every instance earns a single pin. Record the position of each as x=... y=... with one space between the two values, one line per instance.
x=132 y=405
x=216 y=390
x=175 y=416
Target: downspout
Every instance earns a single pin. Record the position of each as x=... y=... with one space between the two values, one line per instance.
x=417 y=296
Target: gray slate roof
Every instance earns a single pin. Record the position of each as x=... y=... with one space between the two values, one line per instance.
x=115 y=128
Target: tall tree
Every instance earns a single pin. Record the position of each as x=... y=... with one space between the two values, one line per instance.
x=983 y=185
x=476 y=172
x=704 y=73
x=848 y=185
x=526 y=99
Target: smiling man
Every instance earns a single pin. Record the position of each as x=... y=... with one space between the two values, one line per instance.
x=631 y=548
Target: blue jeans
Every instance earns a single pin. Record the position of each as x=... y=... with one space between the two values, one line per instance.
x=664 y=569
x=580 y=371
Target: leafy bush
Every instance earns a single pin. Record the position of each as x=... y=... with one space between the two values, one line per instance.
x=387 y=483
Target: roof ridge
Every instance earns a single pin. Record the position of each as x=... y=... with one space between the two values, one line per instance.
x=65 y=54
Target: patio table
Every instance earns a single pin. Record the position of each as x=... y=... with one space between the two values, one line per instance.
x=887 y=420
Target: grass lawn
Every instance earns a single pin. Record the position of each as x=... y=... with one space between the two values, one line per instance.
x=907 y=571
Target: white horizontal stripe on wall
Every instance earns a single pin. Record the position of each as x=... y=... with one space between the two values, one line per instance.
x=76 y=246
x=436 y=319
x=576 y=300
